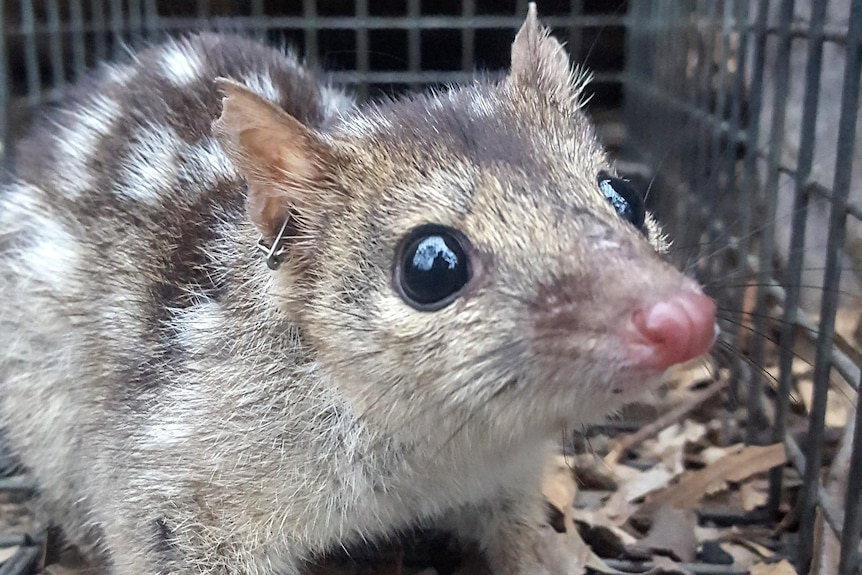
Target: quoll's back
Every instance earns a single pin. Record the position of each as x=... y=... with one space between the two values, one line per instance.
x=453 y=278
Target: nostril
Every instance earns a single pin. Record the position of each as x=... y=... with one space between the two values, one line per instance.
x=673 y=330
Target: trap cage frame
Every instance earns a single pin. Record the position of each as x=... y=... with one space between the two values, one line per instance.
x=692 y=93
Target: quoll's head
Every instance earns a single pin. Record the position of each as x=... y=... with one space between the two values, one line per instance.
x=469 y=250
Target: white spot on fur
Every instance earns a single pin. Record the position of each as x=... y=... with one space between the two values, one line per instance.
x=262 y=85
x=364 y=124
x=335 y=102
x=180 y=66
x=481 y=107
x=206 y=162
x=198 y=323
x=119 y=75
x=53 y=256
x=19 y=200
x=164 y=433
x=151 y=167
x=77 y=142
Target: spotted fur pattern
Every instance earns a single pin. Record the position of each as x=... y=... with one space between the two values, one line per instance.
x=185 y=409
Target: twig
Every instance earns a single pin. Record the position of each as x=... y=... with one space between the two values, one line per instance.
x=624 y=444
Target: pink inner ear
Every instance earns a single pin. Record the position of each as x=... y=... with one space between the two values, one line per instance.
x=279 y=158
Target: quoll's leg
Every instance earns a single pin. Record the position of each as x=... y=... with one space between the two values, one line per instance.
x=516 y=538
x=507 y=532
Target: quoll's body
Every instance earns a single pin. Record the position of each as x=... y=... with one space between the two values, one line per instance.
x=451 y=288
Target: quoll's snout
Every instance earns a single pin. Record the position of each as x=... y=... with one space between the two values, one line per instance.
x=671 y=330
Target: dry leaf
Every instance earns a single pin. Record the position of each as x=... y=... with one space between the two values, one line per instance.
x=646 y=482
x=558 y=484
x=672 y=530
x=689 y=373
x=836 y=408
x=827 y=548
x=735 y=467
x=6 y=553
x=745 y=540
x=599 y=518
x=753 y=496
x=783 y=567
x=712 y=453
x=568 y=553
x=617 y=509
x=743 y=557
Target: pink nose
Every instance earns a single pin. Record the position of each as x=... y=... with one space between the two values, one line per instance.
x=672 y=331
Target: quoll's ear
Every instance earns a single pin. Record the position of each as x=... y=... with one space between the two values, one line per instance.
x=540 y=62
x=284 y=164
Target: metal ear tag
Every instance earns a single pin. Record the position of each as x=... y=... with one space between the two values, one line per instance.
x=277 y=248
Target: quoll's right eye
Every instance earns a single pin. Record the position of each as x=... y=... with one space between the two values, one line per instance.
x=432 y=267
x=624 y=198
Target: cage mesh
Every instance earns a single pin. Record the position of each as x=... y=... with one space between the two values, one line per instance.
x=375 y=48
x=748 y=110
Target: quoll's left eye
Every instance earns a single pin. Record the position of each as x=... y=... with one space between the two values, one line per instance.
x=432 y=267
x=623 y=197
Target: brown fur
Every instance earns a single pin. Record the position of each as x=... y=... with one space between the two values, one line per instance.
x=188 y=410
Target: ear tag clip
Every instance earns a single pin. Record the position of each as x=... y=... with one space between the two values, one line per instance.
x=274 y=252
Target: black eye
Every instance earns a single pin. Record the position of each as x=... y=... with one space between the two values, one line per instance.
x=623 y=197
x=432 y=267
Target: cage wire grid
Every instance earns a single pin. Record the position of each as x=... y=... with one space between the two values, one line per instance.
x=696 y=109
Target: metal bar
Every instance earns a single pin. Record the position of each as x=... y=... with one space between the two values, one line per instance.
x=695 y=568
x=151 y=20
x=690 y=162
x=723 y=90
x=76 y=22
x=804 y=164
x=832 y=33
x=829 y=509
x=117 y=40
x=4 y=86
x=736 y=136
x=420 y=77
x=426 y=22
x=31 y=57
x=702 y=94
x=202 y=21
x=718 y=43
x=767 y=234
x=831 y=279
x=311 y=24
x=363 y=64
x=575 y=40
x=414 y=39
x=749 y=180
x=348 y=77
x=98 y=15
x=136 y=22
x=55 y=44
x=852 y=529
x=468 y=37
x=257 y=12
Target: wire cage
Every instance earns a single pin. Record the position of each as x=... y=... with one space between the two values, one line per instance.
x=749 y=111
x=741 y=115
